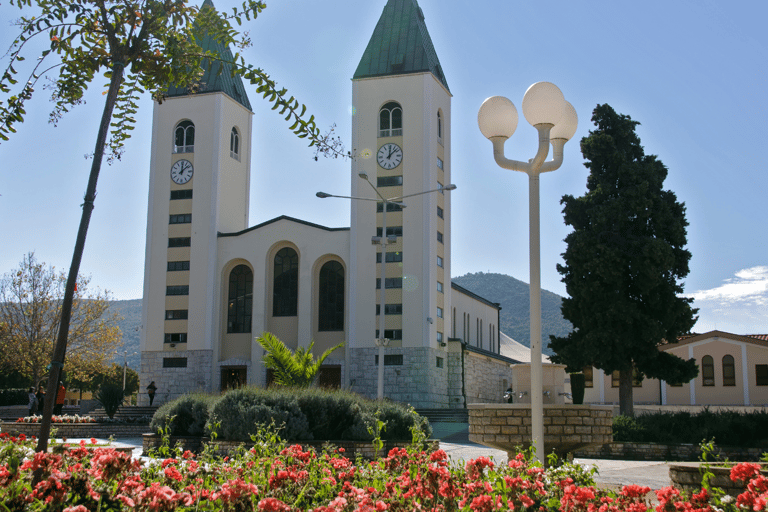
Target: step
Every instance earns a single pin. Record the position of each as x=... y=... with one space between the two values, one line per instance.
x=445 y=415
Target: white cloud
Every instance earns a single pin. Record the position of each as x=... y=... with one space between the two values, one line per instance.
x=749 y=285
x=739 y=305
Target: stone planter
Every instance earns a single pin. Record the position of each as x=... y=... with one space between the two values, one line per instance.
x=566 y=427
x=78 y=430
x=687 y=476
x=223 y=448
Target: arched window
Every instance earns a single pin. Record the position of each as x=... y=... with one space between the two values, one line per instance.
x=439 y=127
x=391 y=120
x=240 y=305
x=708 y=371
x=729 y=371
x=330 y=309
x=285 y=293
x=234 y=144
x=184 y=137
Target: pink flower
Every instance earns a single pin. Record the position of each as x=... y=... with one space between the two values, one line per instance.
x=273 y=505
x=744 y=471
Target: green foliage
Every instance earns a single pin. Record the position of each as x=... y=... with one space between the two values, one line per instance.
x=514 y=297
x=727 y=428
x=292 y=369
x=298 y=414
x=623 y=262
x=110 y=397
x=14 y=396
x=241 y=412
x=185 y=416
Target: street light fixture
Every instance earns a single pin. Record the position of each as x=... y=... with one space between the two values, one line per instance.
x=555 y=119
x=384 y=240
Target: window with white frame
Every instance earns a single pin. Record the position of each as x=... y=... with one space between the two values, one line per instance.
x=391 y=120
x=184 y=137
x=234 y=145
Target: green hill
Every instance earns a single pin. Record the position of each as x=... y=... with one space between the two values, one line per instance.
x=513 y=295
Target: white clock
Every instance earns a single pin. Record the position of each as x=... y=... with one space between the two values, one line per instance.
x=389 y=156
x=181 y=171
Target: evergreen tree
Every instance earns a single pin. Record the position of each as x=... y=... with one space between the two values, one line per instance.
x=623 y=263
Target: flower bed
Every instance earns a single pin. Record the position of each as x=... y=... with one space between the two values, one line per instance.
x=275 y=477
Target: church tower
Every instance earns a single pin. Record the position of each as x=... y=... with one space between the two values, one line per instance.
x=199 y=186
x=402 y=135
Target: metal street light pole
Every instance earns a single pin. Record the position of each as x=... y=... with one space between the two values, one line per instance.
x=381 y=340
x=555 y=119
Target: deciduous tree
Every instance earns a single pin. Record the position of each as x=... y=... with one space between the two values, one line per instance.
x=30 y=306
x=138 y=46
x=624 y=261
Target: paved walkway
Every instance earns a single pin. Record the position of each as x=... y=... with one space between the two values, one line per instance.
x=454 y=440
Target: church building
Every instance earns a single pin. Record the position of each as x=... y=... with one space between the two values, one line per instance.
x=213 y=283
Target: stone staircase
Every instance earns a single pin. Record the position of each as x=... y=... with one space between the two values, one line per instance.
x=445 y=415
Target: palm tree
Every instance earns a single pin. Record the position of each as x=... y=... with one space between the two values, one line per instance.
x=292 y=369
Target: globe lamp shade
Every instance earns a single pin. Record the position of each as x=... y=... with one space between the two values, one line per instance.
x=497 y=117
x=543 y=103
x=566 y=128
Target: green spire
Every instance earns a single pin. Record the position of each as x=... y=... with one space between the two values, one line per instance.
x=400 y=44
x=218 y=76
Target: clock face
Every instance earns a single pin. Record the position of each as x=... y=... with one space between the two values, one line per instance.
x=389 y=156
x=181 y=172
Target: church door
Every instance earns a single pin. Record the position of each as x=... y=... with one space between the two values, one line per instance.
x=233 y=377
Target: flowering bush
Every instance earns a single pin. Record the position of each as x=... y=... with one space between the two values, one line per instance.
x=275 y=477
x=66 y=418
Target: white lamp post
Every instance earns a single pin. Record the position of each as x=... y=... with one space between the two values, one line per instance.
x=555 y=119
x=384 y=240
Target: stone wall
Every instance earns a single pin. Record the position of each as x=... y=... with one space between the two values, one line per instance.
x=668 y=452
x=418 y=381
x=78 y=430
x=567 y=428
x=485 y=378
x=688 y=477
x=173 y=382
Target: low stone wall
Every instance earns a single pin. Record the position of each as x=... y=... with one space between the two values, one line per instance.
x=667 y=452
x=688 y=477
x=223 y=448
x=567 y=428
x=78 y=430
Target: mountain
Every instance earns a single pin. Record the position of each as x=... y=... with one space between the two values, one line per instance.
x=130 y=324
x=514 y=297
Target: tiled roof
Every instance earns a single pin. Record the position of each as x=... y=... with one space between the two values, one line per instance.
x=400 y=44
x=217 y=77
x=763 y=337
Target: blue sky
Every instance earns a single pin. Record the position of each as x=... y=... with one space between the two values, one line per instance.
x=691 y=72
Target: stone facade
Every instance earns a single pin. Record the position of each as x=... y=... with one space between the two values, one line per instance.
x=567 y=428
x=486 y=377
x=418 y=381
x=173 y=382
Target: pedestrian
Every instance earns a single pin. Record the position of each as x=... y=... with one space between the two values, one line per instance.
x=61 y=396
x=151 y=389
x=40 y=398
x=32 y=401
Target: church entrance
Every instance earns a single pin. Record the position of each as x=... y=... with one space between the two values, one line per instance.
x=233 y=377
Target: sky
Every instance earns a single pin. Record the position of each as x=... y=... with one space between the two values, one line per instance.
x=693 y=73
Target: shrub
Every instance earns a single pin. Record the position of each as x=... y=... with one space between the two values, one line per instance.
x=334 y=415
x=186 y=416
x=14 y=396
x=110 y=396
x=241 y=412
x=399 y=420
x=627 y=429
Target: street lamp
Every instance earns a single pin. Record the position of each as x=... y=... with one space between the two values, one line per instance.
x=555 y=119
x=383 y=240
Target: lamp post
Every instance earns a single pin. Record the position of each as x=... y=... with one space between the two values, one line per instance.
x=125 y=368
x=383 y=240
x=555 y=119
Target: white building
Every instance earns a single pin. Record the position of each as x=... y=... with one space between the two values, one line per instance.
x=213 y=283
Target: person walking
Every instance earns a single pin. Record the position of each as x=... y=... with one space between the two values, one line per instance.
x=40 y=398
x=151 y=389
x=32 y=401
x=61 y=396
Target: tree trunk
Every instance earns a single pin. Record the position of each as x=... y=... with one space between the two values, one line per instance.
x=57 y=363
x=626 y=400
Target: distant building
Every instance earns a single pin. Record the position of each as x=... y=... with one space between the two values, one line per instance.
x=213 y=282
x=733 y=370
